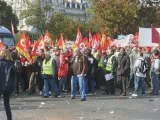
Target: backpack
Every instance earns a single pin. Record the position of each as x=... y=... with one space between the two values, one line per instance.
x=144 y=67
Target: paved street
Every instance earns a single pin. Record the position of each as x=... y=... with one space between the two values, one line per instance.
x=25 y=107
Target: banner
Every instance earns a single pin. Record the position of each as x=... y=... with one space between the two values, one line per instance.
x=125 y=41
x=145 y=37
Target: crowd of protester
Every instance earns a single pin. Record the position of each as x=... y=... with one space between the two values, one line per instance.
x=88 y=68
x=80 y=70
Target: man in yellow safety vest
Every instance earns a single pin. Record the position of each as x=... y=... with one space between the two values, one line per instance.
x=110 y=68
x=49 y=70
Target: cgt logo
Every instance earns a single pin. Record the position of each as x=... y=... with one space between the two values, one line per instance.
x=95 y=44
x=82 y=45
x=22 y=42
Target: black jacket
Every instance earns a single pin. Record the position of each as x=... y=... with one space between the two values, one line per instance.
x=92 y=67
x=7 y=76
x=38 y=63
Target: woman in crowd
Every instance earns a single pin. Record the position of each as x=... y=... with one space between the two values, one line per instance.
x=7 y=79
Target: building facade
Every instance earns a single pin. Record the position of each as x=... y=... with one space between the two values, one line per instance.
x=76 y=9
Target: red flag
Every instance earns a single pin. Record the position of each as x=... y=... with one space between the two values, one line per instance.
x=22 y=47
x=97 y=41
x=56 y=40
x=155 y=36
x=39 y=44
x=136 y=36
x=90 y=39
x=105 y=42
x=47 y=37
x=12 y=28
x=42 y=42
x=104 y=39
x=61 y=42
x=1 y=45
x=83 y=43
x=79 y=37
x=28 y=41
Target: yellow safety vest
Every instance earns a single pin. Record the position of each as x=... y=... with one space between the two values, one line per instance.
x=109 y=63
x=100 y=63
x=47 y=68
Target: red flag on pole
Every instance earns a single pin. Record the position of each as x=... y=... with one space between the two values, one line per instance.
x=22 y=47
x=28 y=41
x=83 y=43
x=136 y=36
x=61 y=42
x=39 y=44
x=56 y=40
x=105 y=42
x=97 y=41
x=1 y=45
x=79 y=37
x=90 y=39
x=47 y=37
x=155 y=36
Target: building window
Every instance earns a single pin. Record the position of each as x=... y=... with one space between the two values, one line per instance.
x=67 y=4
x=78 y=6
x=73 y=5
x=83 y=7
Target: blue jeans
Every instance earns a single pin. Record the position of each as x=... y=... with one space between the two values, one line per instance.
x=82 y=85
x=52 y=83
x=137 y=84
x=62 y=82
x=131 y=79
x=155 y=82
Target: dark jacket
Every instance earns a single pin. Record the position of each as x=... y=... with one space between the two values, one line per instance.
x=7 y=76
x=123 y=65
x=80 y=65
x=92 y=67
x=38 y=63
